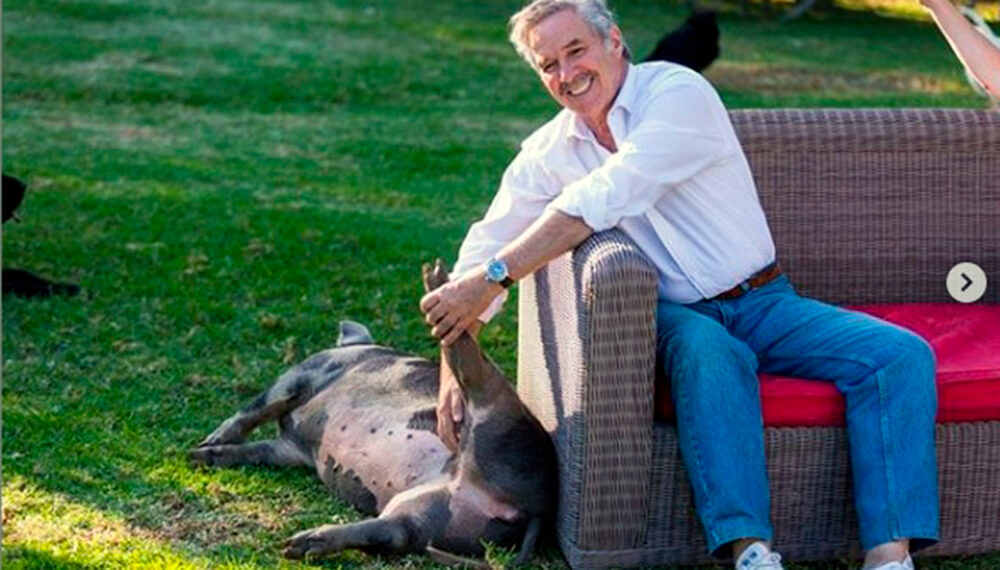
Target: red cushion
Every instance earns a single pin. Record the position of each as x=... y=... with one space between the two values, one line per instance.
x=966 y=342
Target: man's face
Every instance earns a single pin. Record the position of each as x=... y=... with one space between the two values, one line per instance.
x=578 y=70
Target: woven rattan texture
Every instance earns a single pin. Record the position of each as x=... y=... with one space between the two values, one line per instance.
x=874 y=206
x=866 y=207
x=605 y=491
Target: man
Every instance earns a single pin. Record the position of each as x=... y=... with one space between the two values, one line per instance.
x=649 y=149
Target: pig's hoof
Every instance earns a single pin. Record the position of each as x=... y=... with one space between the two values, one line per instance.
x=309 y=543
x=212 y=456
x=200 y=456
x=434 y=276
x=227 y=433
x=212 y=439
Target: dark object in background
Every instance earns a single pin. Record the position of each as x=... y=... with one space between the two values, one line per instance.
x=694 y=44
x=18 y=281
x=26 y=284
x=13 y=193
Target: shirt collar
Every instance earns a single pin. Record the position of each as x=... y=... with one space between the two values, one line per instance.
x=625 y=99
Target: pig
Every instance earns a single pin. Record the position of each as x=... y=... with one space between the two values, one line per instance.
x=363 y=416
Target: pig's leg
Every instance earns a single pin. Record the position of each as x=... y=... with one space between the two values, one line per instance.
x=373 y=535
x=291 y=390
x=276 y=452
x=408 y=523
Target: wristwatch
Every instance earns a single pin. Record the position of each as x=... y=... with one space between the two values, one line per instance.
x=496 y=272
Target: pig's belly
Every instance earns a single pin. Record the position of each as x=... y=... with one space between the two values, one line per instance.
x=368 y=454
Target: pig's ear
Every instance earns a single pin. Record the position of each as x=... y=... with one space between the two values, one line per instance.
x=352 y=333
x=434 y=275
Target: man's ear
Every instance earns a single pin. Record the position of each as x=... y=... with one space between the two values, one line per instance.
x=615 y=44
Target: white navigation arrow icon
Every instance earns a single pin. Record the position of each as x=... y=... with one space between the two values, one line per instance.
x=966 y=282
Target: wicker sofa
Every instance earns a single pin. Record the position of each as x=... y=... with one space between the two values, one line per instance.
x=866 y=206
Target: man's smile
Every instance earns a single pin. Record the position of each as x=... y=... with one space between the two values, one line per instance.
x=578 y=86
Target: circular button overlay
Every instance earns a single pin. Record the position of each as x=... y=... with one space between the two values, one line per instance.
x=966 y=282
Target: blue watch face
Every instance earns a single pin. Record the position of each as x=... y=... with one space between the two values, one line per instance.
x=496 y=271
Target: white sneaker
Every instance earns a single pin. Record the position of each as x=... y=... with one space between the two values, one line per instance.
x=904 y=565
x=758 y=556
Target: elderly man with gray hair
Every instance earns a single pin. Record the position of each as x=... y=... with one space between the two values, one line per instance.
x=649 y=149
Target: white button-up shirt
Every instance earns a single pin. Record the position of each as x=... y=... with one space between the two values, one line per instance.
x=678 y=185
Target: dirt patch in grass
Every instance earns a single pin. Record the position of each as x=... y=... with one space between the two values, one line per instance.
x=785 y=81
x=239 y=523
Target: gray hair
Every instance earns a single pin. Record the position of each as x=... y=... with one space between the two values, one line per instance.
x=594 y=12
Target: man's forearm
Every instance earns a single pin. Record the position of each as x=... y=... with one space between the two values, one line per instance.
x=547 y=238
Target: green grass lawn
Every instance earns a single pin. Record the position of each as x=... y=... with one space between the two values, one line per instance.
x=228 y=179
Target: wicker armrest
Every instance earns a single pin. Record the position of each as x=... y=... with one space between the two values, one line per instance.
x=586 y=369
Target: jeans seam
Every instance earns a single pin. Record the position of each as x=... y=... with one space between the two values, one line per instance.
x=682 y=397
x=892 y=509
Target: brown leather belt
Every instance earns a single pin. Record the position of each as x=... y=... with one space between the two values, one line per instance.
x=759 y=279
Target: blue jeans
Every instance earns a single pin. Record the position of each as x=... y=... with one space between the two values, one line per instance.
x=711 y=352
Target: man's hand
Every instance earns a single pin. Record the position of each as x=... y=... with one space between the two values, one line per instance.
x=450 y=408
x=454 y=307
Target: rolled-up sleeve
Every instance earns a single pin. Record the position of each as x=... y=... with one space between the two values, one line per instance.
x=525 y=190
x=678 y=135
